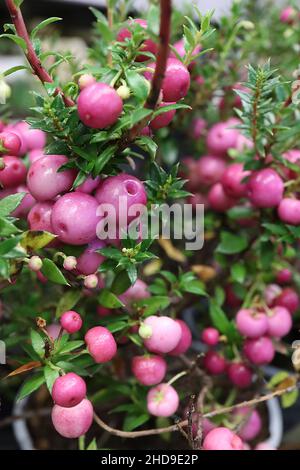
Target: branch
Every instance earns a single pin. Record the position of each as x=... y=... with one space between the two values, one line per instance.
x=34 y=61
x=184 y=423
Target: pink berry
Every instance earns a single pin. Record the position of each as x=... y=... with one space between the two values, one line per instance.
x=35 y=263
x=176 y=82
x=252 y=427
x=265 y=188
x=214 y=363
x=288 y=299
x=185 y=340
x=222 y=439
x=71 y=322
x=91 y=281
x=196 y=199
x=85 y=80
x=272 y=291
x=149 y=370
x=39 y=217
x=232 y=180
x=136 y=292
x=44 y=180
x=163 y=119
x=89 y=185
x=74 y=218
x=54 y=329
x=75 y=421
x=190 y=172
x=259 y=351
x=68 y=390
x=210 y=170
x=284 y=276
x=240 y=374
x=99 y=106
x=251 y=323
x=288 y=15
x=89 y=261
x=11 y=143
x=279 y=322
x=222 y=137
x=35 y=139
x=70 y=263
x=210 y=336
x=218 y=199
x=165 y=336
x=162 y=400
x=14 y=172
x=35 y=155
x=179 y=46
x=101 y=344
x=289 y=211
x=198 y=128
x=26 y=204
x=147 y=46
x=103 y=311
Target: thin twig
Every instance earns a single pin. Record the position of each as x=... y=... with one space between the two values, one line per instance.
x=26 y=415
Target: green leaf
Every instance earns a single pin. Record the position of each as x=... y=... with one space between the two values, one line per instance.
x=289 y=399
x=152 y=305
x=4 y=268
x=7 y=245
x=53 y=273
x=238 y=272
x=116 y=326
x=277 y=379
x=35 y=240
x=70 y=346
x=170 y=107
x=50 y=376
x=38 y=343
x=132 y=422
x=67 y=302
x=92 y=445
x=232 y=244
x=222 y=323
x=31 y=385
x=12 y=70
x=139 y=114
x=104 y=158
x=136 y=339
x=10 y=203
x=109 y=300
x=43 y=24
x=120 y=283
x=138 y=85
x=132 y=273
x=19 y=41
x=7 y=228
x=195 y=287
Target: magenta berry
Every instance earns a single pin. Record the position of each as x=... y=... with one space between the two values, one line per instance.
x=284 y=276
x=11 y=143
x=166 y=334
x=251 y=323
x=70 y=263
x=13 y=173
x=185 y=340
x=71 y=322
x=210 y=170
x=233 y=180
x=265 y=188
x=198 y=128
x=35 y=263
x=279 y=322
x=44 y=180
x=136 y=292
x=74 y=218
x=252 y=427
x=34 y=155
x=163 y=119
x=99 y=105
x=149 y=370
x=240 y=374
x=91 y=281
x=179 y=47
x=289 y=211
x=222 y=439
x=147 y=46
x=35 y=139
x=210 y=336
x=162 y=400
x=176 y=82
x=214 y=363
x=259 y=351
x=68 y=390
x=222 y=137
x=89 y=261
x=289 y=299
x=85 y=80
x=39 y=217
x=26 y=204
x=89 y=185
x=288 y=15
x=75 y=421
x=218 y=199
x=101 y=344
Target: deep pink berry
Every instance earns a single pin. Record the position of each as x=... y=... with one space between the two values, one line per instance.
x=185 y=340
x=176 y=82
x=252 y=427
x=240 y=374
x=163 y=119
x=288 y=15
x=210 y=336
x=165 y=334
x=68 y=390
x=251 y=323
x=148 y=45
x=89 y=185
x=180 y=49
x=279 y=322
x=284 y=276
x=162 y=400
x=214 y=363
x=149 y=370
x=288 y=299
x=75 y=421
x=259 y=351
x=232 y=299
x=233 y=180
x=14 y=172
x=99 y=105
x=101 y=344
x=89 y=261
x=289 y=211
x=222 y=439
x=265 y=188
x=39 y=217
x=71 y=321
x=198 y=128
x=222 y=137
x=74 y=218
x=218 y=199
x=11 y=143
x=44 y=180
x=35 y=139
x=210 y=170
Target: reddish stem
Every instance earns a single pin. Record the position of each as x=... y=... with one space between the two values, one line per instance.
x=34 y=61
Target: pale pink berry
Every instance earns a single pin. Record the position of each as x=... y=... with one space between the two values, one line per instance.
x=163 y=119
x=289 y=211
x=166 y=334
x=138 y=291
x=251 y=323
x=222 y=439
x=279 y=322
x=265 y=188
x=10 y=142
x=68 y=390
x=75 y=421
x=101 y=344
x=259 y=351
x=149 y=370
x=35 y=263
x=272 y=291
x=218 y=199
x=240 y=374
x=222 y=137
x=148 y=45
x=71 y=321
x=99 y=105
x=210 y=170
x=13 y=173
x=197 y=199
x=34 y=155
x=252 y=427
x=85 y=80
x=284 y=276
x=91 y=281
x=233 y=180
x=89 y=185
x=162 y=400
x=35 y=139
x=210 y=336
x=185 y=340
x=53 y=329
x=176 y=82
x=74 y=218
x=39 y=217
x=44 y=180
x=288 y=15
x=214 y=363
x=198 y=128
x=70 y=263
x=89 y=261
x=289 y=299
